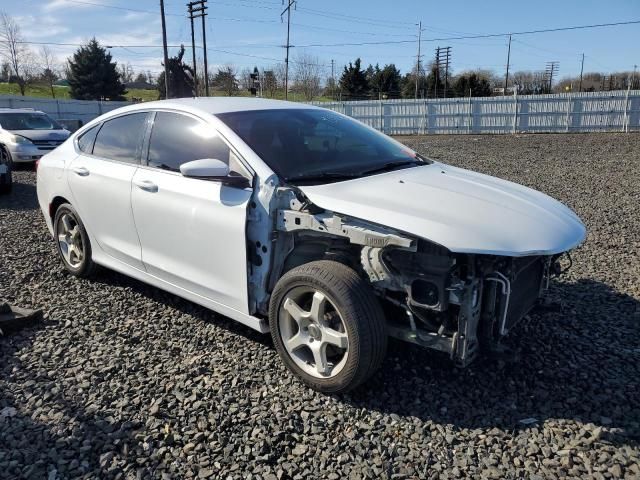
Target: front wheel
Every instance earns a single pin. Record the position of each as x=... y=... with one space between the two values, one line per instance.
x=327 y=326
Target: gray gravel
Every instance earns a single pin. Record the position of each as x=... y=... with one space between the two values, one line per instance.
x=126 y=381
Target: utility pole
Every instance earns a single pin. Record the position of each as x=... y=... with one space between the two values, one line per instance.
x=550 y=71
x=443 y=58
x=333 y=80
x=204 y=46
x=633 y=81
x=290 y=3
x=446 y=70
x=506 y=77
x=437 y=73
x=418 y=58
x=193 y=49
x=166 y=53
x=197 y=8
x=581 y=70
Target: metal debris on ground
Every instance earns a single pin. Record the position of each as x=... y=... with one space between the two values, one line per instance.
x=16 y=318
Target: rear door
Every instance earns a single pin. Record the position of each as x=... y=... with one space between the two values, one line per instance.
x=100 y=180
x=192 y=230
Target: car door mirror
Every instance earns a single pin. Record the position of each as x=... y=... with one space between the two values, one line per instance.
x=214 y=169
x=205 y=168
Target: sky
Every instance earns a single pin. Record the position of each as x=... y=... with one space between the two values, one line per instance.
x=250 y=32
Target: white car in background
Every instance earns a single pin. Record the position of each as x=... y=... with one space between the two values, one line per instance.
x=300 y=221
x=29 y=134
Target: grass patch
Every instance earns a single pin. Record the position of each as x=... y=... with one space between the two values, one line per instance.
x=43 y=91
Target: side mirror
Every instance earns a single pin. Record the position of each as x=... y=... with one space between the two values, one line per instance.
x=205 y=168
x=214 y=169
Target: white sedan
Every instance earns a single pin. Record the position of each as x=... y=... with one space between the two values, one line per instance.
x=303 y=222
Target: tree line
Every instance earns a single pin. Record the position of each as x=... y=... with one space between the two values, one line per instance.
x=92 y=74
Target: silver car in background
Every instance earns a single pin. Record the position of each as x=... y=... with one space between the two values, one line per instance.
x=26 y=134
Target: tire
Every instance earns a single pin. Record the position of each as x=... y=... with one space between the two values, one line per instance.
x=67 y=223
x=6 y=179
x=349 y=309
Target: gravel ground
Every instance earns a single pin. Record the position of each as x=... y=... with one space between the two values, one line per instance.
x=125 y=381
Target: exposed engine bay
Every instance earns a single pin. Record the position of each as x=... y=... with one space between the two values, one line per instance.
x=451 y=302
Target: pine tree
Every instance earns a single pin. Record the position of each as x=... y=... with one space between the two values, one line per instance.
x=385 y=82
x=353 y=83
x=473 y=85
x=93 y=76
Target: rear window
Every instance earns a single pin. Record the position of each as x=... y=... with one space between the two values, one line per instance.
x=121 y=138
x=85 y=141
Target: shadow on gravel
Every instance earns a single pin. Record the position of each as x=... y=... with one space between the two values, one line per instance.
x=115 y=279
x=579 y=363
x=22 y=197
x=58 y=434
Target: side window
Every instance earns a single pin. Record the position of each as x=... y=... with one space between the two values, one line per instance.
x=177 y=139
x=85 y=141
x=121 y=138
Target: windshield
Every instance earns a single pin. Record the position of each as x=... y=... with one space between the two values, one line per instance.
x=314 y=144
x=28 y=121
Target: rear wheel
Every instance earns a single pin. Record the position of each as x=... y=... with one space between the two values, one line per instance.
x=327 y=326
x=6 y=178
x=72 y=242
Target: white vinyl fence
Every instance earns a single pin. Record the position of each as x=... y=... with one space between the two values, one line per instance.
x=84 y=110
x=615 y=111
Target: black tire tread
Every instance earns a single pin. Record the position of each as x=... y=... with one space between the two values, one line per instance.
x=355 y=295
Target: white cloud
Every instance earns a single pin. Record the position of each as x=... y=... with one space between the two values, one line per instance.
x=53 y=5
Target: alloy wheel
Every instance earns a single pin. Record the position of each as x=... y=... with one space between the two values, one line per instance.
x=313 y=332
x=70 y=240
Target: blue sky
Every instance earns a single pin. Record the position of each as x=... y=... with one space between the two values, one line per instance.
x=238 y=29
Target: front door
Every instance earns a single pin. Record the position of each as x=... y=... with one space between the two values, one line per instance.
x=192 y=231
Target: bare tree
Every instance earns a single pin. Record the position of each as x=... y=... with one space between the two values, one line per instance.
x=528 y=82
x=126 y=73
x=279 y=73
x=14 y=51
x=49 y=68
x=246 y=82
x=307 y=75
x=269 y=82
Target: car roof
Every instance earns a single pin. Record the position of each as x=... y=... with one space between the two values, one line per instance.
x=215 y=105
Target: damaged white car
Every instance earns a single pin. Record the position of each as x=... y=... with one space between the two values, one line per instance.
x=305 y=223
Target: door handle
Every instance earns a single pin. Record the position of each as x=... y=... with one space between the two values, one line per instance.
x=146 y=185
x=82 y=171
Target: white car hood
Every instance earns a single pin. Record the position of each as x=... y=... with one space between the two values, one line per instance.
x=464 y=211
x=39 y=135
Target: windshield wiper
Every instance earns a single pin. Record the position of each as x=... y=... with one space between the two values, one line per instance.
x=324 y=176
x=387 y=167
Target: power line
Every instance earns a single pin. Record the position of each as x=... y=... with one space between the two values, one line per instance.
x=62 y=44
x=464 y=37
x=302 y=25
x=389 y=42
x=137 y=10
x=352 y=18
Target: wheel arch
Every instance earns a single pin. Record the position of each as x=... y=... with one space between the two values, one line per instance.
x=55 y=204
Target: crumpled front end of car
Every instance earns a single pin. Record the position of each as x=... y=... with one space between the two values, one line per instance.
x=456 y=303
